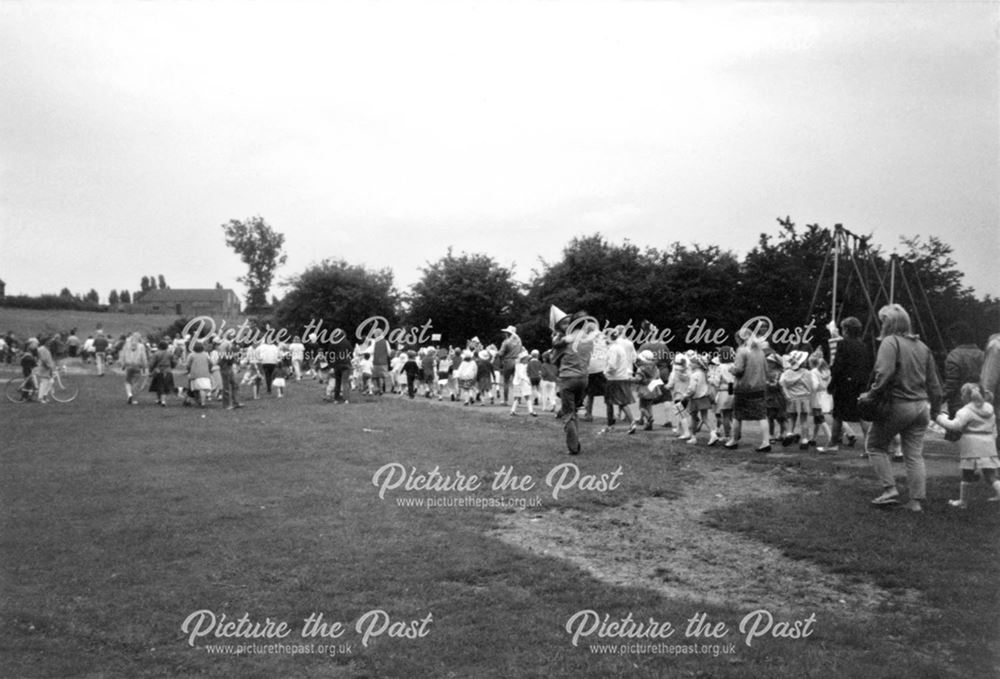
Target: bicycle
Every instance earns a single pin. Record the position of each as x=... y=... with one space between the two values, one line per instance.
x=25 y=389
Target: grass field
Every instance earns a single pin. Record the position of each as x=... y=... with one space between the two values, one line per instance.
x=28 y=322
x=121 y=522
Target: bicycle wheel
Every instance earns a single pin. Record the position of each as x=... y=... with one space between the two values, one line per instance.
x=63 y=391
x=15 y=391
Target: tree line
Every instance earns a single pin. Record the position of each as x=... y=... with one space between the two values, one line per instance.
x=89 y=301
x=787 y=276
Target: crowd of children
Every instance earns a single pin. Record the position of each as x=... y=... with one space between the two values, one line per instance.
x=698 y=389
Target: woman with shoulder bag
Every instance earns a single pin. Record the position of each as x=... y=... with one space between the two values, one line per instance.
x=905 y=372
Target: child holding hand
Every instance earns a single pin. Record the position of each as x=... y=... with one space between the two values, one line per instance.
x=977 y=445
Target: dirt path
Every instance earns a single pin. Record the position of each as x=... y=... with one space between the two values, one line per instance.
x=666 y=545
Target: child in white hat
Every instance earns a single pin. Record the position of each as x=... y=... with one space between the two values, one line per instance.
x=466 y=375
x=698 y=400
x=678 y=384
x=521 y=384
x=720 y=378
x=650 y=384
x=797 y=384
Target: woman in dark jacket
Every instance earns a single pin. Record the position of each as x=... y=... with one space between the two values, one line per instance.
x=904 y=367
x=161 y=368
x=963 y=364
x=849 y=374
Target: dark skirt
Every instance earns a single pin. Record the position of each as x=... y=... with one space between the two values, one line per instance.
x=618 y=392
x=162 y=383
x=595 y=384
x=750 y=406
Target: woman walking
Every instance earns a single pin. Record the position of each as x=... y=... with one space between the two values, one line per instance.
x=161 y=369
x=135 y=361
x=852 y=365
x=905 y=372
x=750 y=391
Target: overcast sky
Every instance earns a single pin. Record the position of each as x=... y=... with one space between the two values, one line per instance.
x=385 y=132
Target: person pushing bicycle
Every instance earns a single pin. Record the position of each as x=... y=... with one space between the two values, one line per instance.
x=46 y=369
x=29 y=362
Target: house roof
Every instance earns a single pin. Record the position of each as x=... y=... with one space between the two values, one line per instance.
x=173 y=295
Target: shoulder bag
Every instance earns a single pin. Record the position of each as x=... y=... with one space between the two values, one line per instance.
x=876 y=406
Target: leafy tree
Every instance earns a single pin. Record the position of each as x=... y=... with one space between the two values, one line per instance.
x=780 y=278
x=614 y=283
x=464 y=296
x=162 y=282
x=929 y=285
x=260 y=248
x=339 y=294
x=113 y=298
x=697 y=289
x=218 y=286
x=65 y=293
x=125 y=297
x=93 y=297
x=673 y=289
x=144 y=284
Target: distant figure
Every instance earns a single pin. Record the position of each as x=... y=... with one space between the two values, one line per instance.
x=510 y=349
x=135 y=361
x=161 y=369
x=100 y=351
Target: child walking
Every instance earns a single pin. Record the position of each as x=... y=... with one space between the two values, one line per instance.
x=647 y=376
x=548 y=383
x=199 y=372
x=977 y=446
x=444 y=368
x=775 y=400
x=411 y=369
x=366 y=368
x=466 y=375
x=677 y=385
x=721 y=378
x=697 y=395
x=521 y=384
x=797 y=387
x=253 y=377
x=822 y=403
x=484 y=376
x=279 y=381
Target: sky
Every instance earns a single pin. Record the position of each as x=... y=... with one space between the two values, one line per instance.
x=384 y=133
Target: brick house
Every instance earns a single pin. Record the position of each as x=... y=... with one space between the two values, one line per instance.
x=188 y=302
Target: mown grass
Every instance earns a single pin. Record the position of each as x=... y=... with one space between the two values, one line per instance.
x=118 y=522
